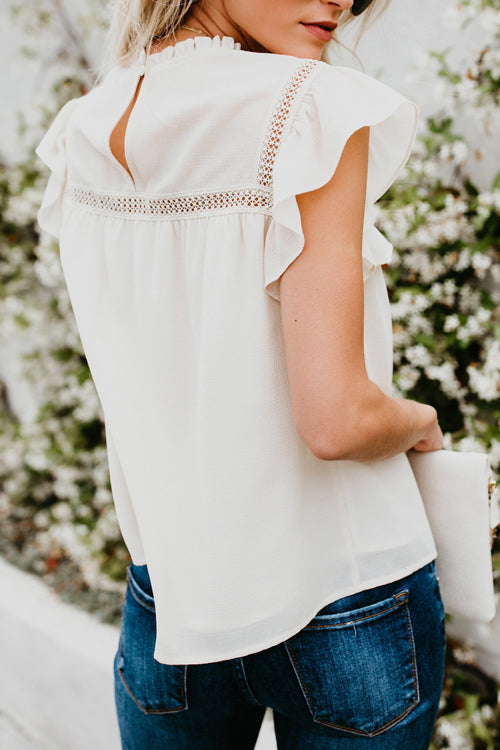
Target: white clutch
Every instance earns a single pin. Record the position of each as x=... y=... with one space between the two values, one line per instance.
x=458 y=493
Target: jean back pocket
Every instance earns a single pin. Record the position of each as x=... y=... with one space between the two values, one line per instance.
x=155 y=688
x=357 y=669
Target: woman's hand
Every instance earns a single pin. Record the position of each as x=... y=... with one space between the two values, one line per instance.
x=433 y=441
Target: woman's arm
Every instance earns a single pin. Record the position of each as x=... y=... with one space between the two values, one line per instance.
x=339 y=413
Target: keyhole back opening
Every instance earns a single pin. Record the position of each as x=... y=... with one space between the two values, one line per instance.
x=118 y=134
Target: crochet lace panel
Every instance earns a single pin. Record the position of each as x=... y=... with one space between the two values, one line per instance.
x=279 y=119
x=175 y=205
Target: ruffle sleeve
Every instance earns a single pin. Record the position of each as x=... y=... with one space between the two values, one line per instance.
x=52 y=150
x=337 y=102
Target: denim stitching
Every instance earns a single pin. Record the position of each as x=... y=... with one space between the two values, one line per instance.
x=416 y=686
x=183 y=705
x=136 y=596
x=403 y=603
x=349 y=622
x=239 y=670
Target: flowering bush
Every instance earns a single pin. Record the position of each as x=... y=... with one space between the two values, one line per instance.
x=469 y=711
x=55 y=495
x=445 y=299
x=443 y=286
x=444 y=276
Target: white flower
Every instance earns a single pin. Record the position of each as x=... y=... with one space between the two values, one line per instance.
x=62 y=512
x=451 y=323
x=19 y=210
x=65 y=482
x=89 y=404
x=407 y=377
x=490 y=199
x=11 y=457
x=418 y=356
x=37 y=460
x=470 y=443
x=454 y=151
x=445 y=374
x=460 y=151
x=447 y=731
x=465 y=654
x=480 y=262
x=107 y=523
x=102 y=497
x=445 y=151
x=447 y=441
x=494 y=452
x=485 y=380
x=489 y=18
x=465 y=91
x=419 y=324
x=486 y=712
x=469 y=300
x=483 y=315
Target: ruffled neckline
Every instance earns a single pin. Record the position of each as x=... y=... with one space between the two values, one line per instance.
x=185 y=47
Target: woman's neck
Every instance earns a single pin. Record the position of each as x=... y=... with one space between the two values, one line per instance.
x=212 y=23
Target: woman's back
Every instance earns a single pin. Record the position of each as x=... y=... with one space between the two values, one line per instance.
x=173 y=272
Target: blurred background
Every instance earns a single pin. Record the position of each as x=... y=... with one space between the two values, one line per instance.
x=62 y=558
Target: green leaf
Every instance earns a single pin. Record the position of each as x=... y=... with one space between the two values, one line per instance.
x=471 y=704
x=470 y=188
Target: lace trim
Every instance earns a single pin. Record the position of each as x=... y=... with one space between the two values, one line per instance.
x=279 y=119
x=172 y=205
x=176 y=205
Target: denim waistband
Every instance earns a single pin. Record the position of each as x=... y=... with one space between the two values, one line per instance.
x=140 y=583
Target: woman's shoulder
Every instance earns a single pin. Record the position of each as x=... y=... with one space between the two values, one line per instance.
x=337 y=90
x=276 y=70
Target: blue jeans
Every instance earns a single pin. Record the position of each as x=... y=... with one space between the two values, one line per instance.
x=365 y=672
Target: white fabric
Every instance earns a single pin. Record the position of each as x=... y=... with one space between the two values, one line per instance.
x=172 y=277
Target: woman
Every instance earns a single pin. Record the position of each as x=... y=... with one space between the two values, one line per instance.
x=213 y=197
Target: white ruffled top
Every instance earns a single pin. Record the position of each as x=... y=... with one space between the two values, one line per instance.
x=173 y=278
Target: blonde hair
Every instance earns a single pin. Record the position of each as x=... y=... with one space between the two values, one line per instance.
x=136 y=24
